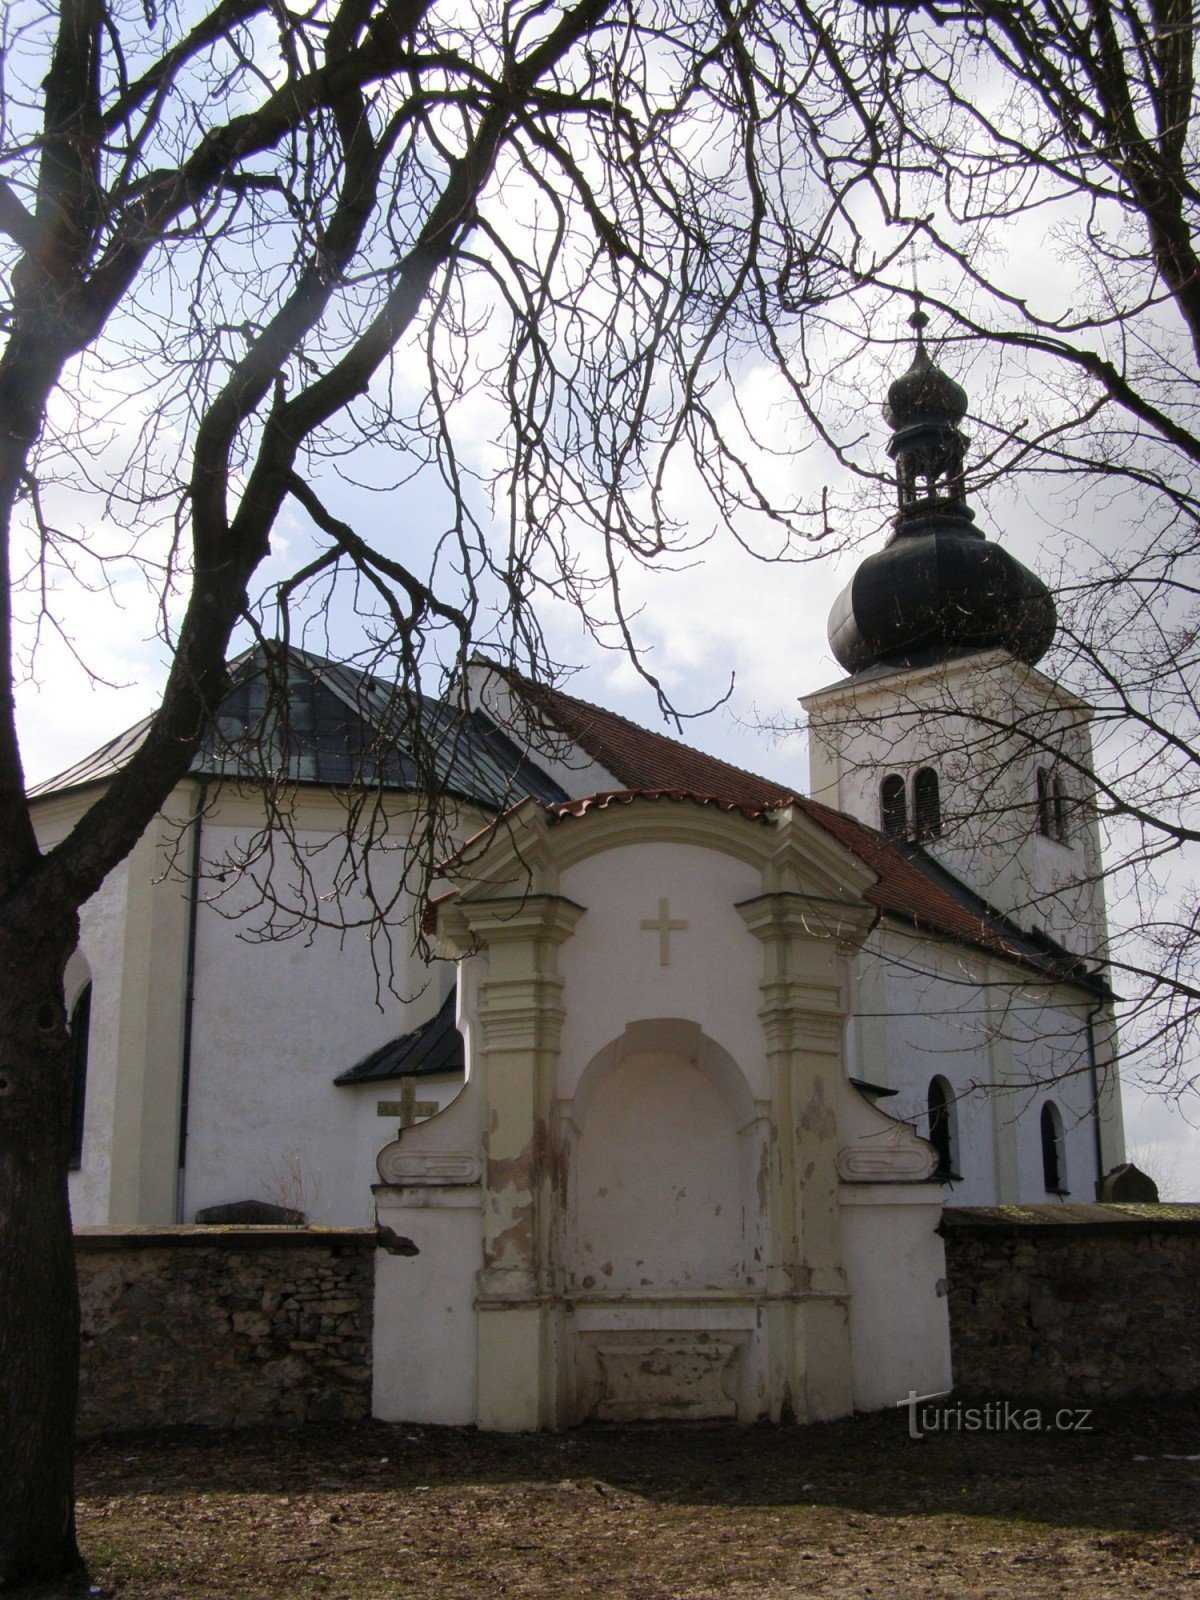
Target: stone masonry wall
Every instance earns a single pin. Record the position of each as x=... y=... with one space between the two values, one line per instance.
x=224 y=1326
x=1074 y=1301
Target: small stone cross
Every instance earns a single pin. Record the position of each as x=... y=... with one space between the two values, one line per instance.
x=408 y=1108
x=664 y=925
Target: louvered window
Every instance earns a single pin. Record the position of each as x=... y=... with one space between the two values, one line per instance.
x=893 y=806
x=927 y=805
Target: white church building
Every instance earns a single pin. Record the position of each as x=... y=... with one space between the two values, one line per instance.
x=668 y=1129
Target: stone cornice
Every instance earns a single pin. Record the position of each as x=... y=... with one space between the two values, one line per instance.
x=791 y=915
x=879 y=690
x=465 y=925
x=749 y=839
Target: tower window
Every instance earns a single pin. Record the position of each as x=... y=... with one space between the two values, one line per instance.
x=943 y=1134
x=1054 y=1163
x=927 y=805
x=80 y=1028
x=1061 y=832
x=893 y=806
x=1053 y=806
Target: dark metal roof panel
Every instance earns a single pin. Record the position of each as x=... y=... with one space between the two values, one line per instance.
x=436 y=1046
x=344 y=727
x=101 y=765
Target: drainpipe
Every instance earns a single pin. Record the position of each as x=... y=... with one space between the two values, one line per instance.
x=1095 y=1081
x=189 y=993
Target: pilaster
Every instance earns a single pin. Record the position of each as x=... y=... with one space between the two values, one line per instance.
x=806 y=941
x=520 y=1016
x=145 y=1137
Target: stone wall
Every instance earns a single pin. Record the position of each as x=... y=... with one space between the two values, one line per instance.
x=224 y=1326
x=1074 y=1301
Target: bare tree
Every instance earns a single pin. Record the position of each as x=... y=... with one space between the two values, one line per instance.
x=1033 y=165
x=272 y=235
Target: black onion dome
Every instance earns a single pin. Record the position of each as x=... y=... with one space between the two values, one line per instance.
x=927 y=597
x=939 y=588
x=924 y=394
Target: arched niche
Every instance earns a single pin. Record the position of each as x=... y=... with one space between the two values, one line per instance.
x=665 y=1149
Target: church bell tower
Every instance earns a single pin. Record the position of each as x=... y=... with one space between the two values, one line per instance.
x=945 y=735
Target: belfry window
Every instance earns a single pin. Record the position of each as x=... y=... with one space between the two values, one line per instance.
x=942 y=1130
x=927 y=805
x=1053 y=807
x=893 y=806
x=1054 y=1163
x=80 y=1027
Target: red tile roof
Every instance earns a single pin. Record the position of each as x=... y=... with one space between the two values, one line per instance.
x=642 y=760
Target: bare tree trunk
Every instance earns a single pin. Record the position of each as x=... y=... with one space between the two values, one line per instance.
x=39 y=1313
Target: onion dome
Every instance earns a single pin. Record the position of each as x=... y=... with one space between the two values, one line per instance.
x=939 y=588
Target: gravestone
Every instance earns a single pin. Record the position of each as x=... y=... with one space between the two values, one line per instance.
x=1128 y=1184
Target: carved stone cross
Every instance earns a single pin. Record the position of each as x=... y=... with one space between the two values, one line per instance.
x=408 y=1108
x=664 y=925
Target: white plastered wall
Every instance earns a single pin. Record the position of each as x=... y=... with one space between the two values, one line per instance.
x=713 y=976
x=1004 y=1042
x=273 y=1022
x=896 y=1269
x=276 y=1021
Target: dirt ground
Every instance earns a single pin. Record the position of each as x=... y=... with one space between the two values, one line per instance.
x=855 y=1508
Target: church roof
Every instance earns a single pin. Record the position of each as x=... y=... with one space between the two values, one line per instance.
x=436 y=1046
x=640 y=758
x=915 y=888
x=344 y=726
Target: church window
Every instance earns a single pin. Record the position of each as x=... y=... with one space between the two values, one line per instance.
x=80 y=1028
x=1060 y=811
x=927 y=805
x=1054 y=1165
x=1053 y=807
x=893 y=806
x=943 y=1132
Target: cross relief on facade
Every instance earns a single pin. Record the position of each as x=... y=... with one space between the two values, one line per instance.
x=408 y=1108
x=664 y=925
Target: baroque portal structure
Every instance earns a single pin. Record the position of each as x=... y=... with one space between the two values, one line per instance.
x=669 y=1130
x=674 y=1202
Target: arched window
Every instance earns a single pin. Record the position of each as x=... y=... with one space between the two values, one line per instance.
x=1061 y=829
x=927 y=805
x=893 y=806
x=943 y=1134
x=80 y=1027
x=1053 y=807
x=1054 y=1161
